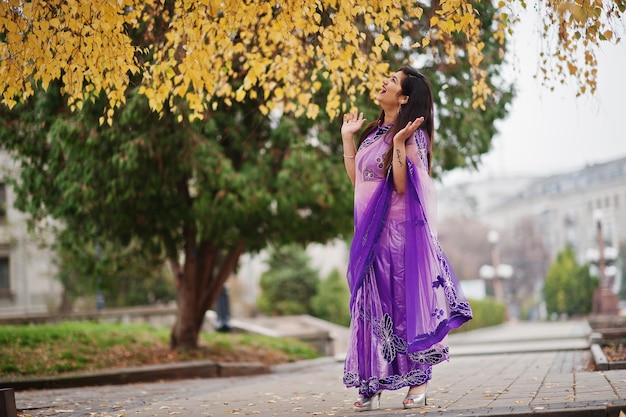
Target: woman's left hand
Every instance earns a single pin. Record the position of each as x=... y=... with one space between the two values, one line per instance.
x=406 y=132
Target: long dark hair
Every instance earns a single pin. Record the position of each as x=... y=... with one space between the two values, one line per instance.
x=420 y=104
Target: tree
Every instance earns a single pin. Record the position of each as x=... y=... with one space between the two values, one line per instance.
x=463 y=132
x=574 y=30
x=289 y=284
x=569 y=287
x=124 y=275
x=465 y=243
x=206 y=190
x=90 y=46
x=332 y=299
x=524 y=249
x=238 y=181
x=110 y=142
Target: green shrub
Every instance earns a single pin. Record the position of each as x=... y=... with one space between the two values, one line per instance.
x=487 y=312
x=569 y=287
x=289 y=284
x=332 y=301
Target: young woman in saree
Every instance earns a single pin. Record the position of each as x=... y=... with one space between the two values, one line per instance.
x=405 y=297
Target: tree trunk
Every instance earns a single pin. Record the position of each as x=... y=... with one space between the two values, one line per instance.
x=205 y=271
x=67 y=304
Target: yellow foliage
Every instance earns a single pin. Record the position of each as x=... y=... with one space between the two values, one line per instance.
x=574 y=31
x=209 y=52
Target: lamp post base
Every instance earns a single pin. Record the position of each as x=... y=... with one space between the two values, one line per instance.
x=7 y=402
x=604 y=302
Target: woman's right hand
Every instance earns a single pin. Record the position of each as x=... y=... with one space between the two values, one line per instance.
x=352 y=123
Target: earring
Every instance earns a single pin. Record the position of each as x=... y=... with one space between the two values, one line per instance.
x=400 y=109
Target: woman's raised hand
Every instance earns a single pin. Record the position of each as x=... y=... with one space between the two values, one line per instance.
x=352 y=123
x=408 y=130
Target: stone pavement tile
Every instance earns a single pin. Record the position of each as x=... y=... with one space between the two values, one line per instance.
x=559 y=379
x=530 y=387
x=617 y=380
x=523 y=331
x=518 y=395
x=606 y=390
x=586 y=379
x=317 y=390
x=551 y=396
x=592 y=396
x=554 y=399
x=519 y=347
x=584 y=410
x=507 y=402
x=526 y=385
x=593 y=385
x=491 y=380
x=555 y=390
x=572 y=361
x=439 y=395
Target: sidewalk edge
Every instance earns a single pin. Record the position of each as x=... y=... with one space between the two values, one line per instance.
x=148 y=373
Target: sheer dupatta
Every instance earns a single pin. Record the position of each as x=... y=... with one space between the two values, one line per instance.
x=435 y=303
x=432 y=288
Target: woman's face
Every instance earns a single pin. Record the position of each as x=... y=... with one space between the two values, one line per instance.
x=390 y=96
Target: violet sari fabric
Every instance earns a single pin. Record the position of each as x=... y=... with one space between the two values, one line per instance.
x=405 y=297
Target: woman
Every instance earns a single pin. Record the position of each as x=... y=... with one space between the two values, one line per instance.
x=405 y=297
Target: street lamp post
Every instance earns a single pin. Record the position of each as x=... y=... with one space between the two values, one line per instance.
x=497 y=272
x=604 y=300
x=493 y=237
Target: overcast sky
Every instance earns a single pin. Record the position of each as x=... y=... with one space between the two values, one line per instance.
x=554 y=132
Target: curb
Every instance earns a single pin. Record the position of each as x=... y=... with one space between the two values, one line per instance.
x=148 y=373
x=303 y=364
x=582 y=409
x=602 y=363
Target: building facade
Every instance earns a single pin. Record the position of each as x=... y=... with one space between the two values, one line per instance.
x=568 y=208
x=27 y=271
x=574 y=209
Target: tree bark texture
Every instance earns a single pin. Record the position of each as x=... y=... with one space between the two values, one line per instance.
x=206 y=269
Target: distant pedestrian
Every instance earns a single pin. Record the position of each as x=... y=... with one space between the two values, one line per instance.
x=222 y=307
x=405 y=297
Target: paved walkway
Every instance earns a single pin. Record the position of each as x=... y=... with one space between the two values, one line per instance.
x=516 y=369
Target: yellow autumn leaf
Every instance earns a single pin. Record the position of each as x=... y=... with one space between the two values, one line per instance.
x=225 y=51
x=240 y=95
x=572 y=68
x=395 y=38
x=279 y=93
x=312 y=111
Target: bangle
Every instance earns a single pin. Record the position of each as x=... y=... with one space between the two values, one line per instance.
x=348 y=156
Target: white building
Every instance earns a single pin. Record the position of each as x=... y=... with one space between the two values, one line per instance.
x=27 y=283
x=564 y=208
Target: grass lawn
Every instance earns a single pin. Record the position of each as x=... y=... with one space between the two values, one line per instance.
x=54 y=349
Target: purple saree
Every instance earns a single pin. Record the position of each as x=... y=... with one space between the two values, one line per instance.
x=405 y=297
